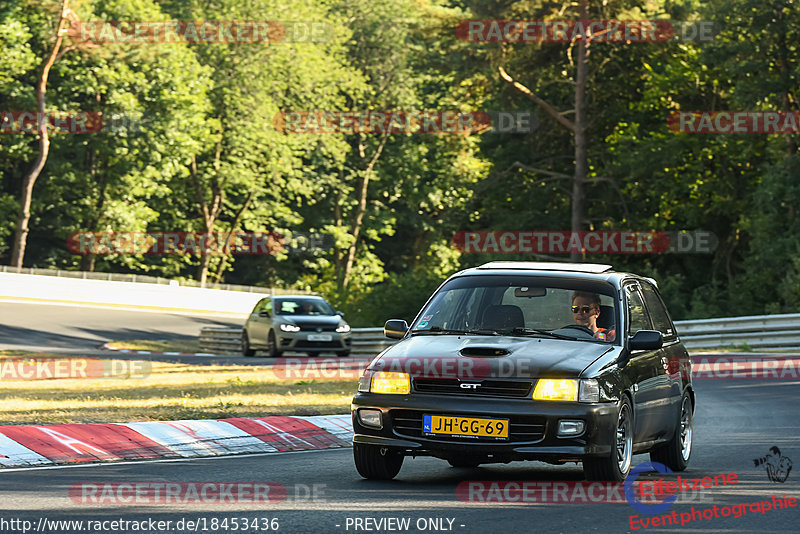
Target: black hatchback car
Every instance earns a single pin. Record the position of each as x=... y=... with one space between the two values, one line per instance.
x=555 y=362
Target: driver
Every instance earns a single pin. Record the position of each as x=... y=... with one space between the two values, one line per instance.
x=586 y=310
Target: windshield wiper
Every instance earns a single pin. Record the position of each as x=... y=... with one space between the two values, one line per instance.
x=440 y=330
x=519 y=331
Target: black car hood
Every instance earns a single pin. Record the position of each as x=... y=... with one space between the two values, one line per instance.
x=443 y=355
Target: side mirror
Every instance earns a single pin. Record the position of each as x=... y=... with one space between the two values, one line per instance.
x=646 y=340
x=340 y=313
x=395 y=328
x=263 y=313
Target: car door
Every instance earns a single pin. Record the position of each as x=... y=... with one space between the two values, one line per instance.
x=643 y=370
x=672 y=354
x=257 y=326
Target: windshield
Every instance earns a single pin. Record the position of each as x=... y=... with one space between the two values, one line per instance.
x=299 y=306
x=524 y=306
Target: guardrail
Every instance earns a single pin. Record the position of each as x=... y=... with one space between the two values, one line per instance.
x=757 y=331
x=221 y=340
x=366 y=341
x=761 y=331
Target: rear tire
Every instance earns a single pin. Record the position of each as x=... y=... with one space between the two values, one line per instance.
x=376 y=463
x=343 y=353
x=616 y=466
x=246 y=349
x=678 y=451
x=272 y=343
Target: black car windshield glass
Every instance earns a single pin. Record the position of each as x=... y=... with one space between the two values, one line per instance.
x=303 y=307
x=525 y=306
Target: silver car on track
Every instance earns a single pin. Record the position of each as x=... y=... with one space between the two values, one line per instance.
x=299 y=323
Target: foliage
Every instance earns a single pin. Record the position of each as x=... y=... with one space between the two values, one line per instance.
x=200 y=134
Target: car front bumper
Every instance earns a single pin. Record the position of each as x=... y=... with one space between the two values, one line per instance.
x=300 y=342
x=533 y=427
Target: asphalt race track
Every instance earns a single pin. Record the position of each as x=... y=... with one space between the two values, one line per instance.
x=66 y=328
x=736 y=422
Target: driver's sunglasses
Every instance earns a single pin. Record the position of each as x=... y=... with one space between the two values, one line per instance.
x=582 y=309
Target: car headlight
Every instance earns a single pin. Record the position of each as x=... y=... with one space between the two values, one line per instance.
x=364 y=382
x=385 y=382
x=343 y=328
x=556 y=389
x=565 y=389
x=290 y=328
x=589 y=391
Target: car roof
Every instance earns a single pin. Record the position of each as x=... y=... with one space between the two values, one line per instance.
x=549 y=266
x=296 y=297
x=585 y=271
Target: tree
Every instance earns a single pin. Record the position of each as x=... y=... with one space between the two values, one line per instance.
x=29 y=180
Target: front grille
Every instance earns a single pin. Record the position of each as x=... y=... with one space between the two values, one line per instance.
x=303 y=344
x=524 y=428
x=486 y=388
x=314 y=327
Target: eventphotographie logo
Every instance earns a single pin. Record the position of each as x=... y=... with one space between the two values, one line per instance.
x=776 y=465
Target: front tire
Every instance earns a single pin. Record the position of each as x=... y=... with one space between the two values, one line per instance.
x=272 y=344
x=376 y=463
x=676 y=453
x=247 y=350
x=617 y=465
x=343 y=353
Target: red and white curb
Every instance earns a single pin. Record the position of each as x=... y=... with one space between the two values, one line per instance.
x=106 y=346
x=41 y=445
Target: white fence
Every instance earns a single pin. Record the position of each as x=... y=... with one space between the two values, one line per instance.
x=136 y=292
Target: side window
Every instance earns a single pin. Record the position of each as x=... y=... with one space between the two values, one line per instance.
x=268 y=305
x=657 y=310
x=260 y=305
x=637 y=315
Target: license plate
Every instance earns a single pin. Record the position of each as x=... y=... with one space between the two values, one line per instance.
x=320 y=337
x=469 y=427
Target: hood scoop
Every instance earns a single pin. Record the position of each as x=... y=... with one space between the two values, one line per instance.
x=483 y=352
